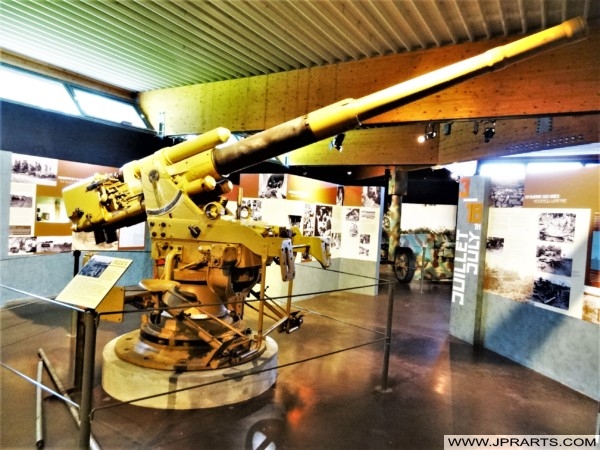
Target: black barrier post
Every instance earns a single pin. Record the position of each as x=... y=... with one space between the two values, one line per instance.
x=388 y=341
x=77 y=330
x=87 y=382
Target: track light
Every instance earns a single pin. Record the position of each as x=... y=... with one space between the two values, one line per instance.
x=489 y=132
x=430 y=133
x=337 y=142
x=476 y=128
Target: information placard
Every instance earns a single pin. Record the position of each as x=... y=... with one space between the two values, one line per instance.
x=93 y=282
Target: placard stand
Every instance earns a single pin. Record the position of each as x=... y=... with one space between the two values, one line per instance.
x=88 y=288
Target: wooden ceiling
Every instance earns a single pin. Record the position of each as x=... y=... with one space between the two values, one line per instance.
x=249 y=65
x=155 y=44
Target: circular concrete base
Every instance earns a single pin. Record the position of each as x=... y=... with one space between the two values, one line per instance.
x=125 y=381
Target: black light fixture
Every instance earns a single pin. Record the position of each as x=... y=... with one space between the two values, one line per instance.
x=489 y=132
x=429 y=133
x=476 y=128
x=337 y=142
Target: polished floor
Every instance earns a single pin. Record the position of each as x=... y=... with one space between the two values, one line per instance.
x=438 y=385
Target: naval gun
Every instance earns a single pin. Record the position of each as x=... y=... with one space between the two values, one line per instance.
x=207 y=258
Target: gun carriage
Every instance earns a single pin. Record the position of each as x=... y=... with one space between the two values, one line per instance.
x=207 y=258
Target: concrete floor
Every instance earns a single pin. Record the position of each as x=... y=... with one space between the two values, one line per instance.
x=438 y=385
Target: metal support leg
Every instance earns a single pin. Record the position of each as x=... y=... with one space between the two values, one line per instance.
x=79 y=330
x=65 y=395
x=87 y=382
x=388 y=341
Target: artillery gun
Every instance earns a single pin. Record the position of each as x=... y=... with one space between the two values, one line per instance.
x=207 y=258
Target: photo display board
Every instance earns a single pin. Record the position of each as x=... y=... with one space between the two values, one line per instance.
x=543 y=243
x=349 y=216
x=38 y=221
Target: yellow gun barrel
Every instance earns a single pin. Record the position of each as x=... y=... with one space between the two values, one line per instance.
x=347 y=114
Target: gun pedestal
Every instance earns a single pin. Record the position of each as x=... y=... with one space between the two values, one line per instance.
x=126 y=382
x=166 y=362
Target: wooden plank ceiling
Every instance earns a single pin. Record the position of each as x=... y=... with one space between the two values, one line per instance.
x=155 y=44
x=144 y=45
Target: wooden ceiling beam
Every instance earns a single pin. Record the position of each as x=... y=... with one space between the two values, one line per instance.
x=561 y=81
x=398 y=146
x=514 y=136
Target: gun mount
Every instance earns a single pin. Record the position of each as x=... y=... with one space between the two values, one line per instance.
x=208 y=259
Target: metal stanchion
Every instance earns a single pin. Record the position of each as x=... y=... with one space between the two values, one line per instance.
x=388 y=341
x=87 y=382
x=77 y=331
x=39 y=414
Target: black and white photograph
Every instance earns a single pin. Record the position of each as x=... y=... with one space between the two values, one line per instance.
x=509 y=195
x=556 y=227
x=353 y=214
x=551 y=292
x=371 y=196
x=494 y=244
x=273 y=185
x=23 y=245
x=323 y=220
x=339 y=196
x=34 y=169
x=295 y=221
x=335 y=241
x=551 y=258
x=308 y=220
x=353 y=230
x=21 y=201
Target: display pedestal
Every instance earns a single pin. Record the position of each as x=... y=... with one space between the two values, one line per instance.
x=126 y=382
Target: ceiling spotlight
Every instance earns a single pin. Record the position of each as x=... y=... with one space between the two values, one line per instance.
x=430 y=132
x=489 y=132
x=337 y=142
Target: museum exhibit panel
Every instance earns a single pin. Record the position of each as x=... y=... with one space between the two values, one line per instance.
x=188 y=271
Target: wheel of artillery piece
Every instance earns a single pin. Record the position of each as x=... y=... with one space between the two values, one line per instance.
x=404 y=264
